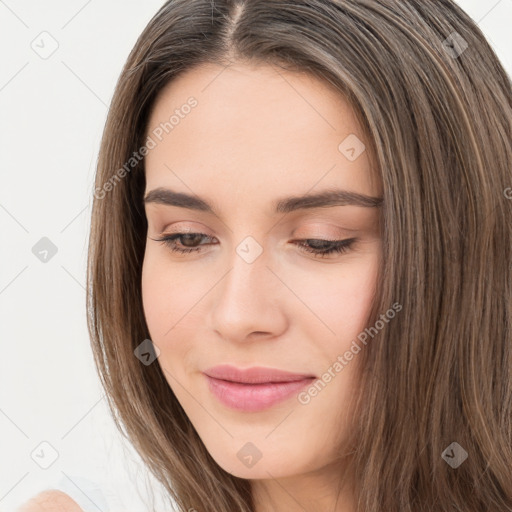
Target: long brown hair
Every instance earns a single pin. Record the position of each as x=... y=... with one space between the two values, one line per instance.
x=436 y=105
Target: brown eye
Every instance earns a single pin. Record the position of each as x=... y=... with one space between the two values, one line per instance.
x=323 y=247
x=190 y=241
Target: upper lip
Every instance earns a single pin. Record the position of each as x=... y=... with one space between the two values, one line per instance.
x=254 y=375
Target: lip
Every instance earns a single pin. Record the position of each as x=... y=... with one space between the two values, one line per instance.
x=254 y=389
x=254 y=375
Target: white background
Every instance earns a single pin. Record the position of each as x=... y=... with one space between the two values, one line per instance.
x=52 y=116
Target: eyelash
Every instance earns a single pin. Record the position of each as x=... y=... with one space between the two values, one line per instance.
x=340 y=246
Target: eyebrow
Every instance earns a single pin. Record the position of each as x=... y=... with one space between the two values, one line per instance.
x=325 y=199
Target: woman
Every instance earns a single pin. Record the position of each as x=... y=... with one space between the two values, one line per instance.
x=300 y=286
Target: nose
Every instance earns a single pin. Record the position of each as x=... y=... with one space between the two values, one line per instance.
x=249 y=301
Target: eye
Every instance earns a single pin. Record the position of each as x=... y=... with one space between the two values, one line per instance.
x=188 y=242
x=187 y=238
x=323 y=247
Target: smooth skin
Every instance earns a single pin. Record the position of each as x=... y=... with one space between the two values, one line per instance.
x=258 y=134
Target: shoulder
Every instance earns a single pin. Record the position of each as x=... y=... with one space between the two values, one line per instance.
x=50 y=501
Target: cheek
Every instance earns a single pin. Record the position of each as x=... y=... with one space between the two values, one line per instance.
x=154 y=298
x=165 y=301
x=350 y=299
x=340 y=300
x=174 y=308
x=167 y=294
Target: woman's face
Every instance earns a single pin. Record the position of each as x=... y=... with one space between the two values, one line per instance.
x=249 y=294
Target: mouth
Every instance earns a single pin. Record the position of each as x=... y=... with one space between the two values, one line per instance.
x=254 y=389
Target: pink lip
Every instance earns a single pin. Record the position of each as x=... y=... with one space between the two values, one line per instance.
x=254 y=389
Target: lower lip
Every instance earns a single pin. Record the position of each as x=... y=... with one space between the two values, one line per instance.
x=254 y=397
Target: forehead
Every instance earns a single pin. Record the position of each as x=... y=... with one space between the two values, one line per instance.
x=257 y=130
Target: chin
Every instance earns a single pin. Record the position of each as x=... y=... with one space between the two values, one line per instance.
x=260 y=460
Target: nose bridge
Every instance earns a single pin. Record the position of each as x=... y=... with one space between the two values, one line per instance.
x=247 y=281
x=246 y=299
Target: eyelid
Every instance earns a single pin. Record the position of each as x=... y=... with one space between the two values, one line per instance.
x=326 y=231
x=178 y=227
x=314 y=228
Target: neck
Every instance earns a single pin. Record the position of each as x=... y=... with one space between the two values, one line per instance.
x=323 y=490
